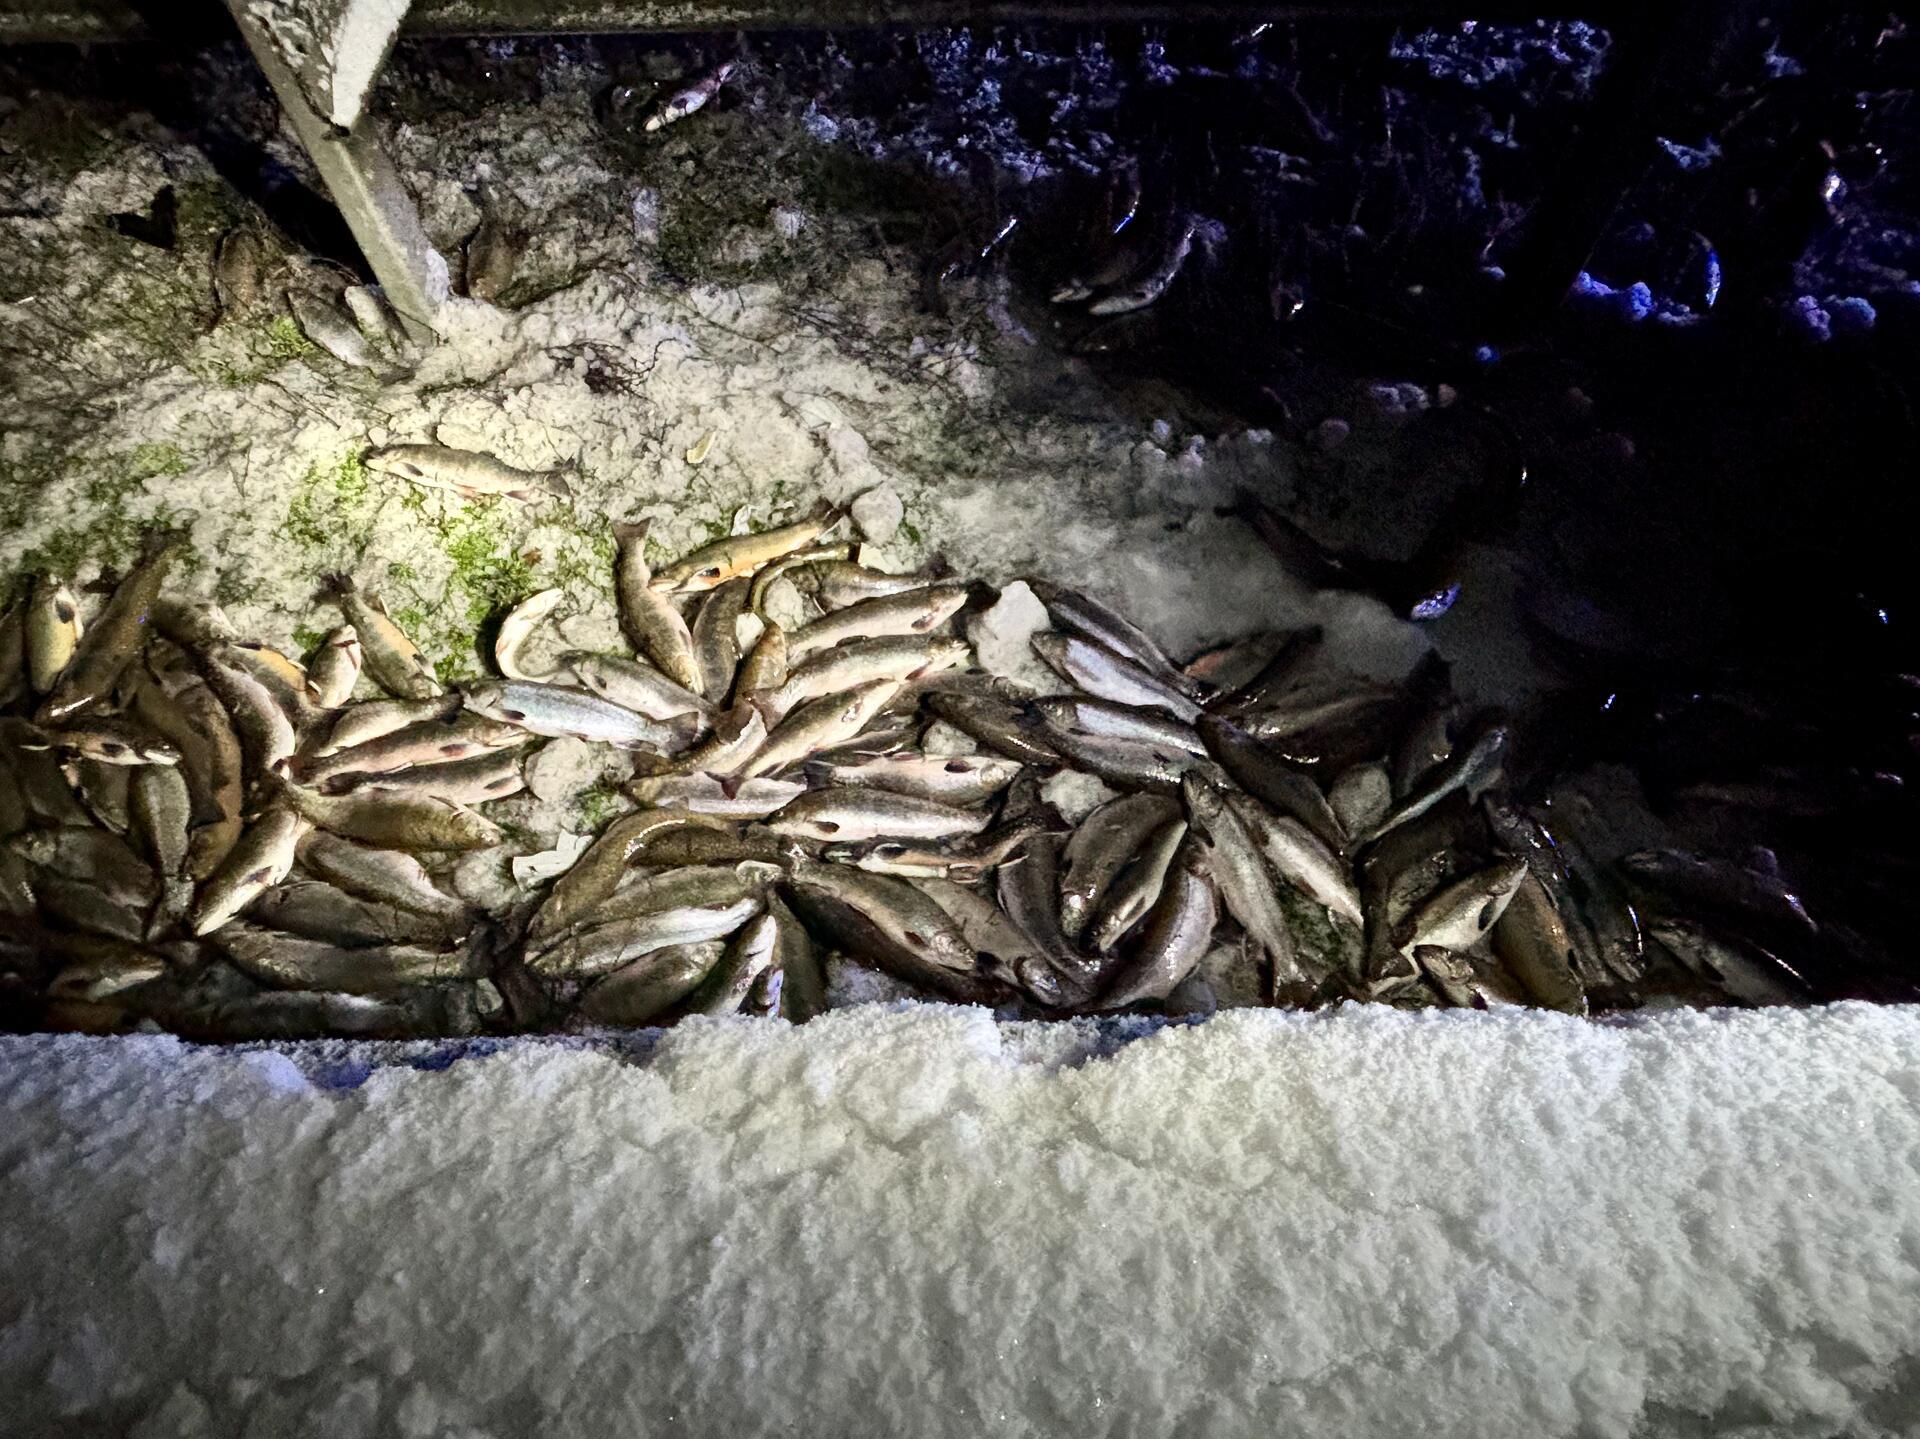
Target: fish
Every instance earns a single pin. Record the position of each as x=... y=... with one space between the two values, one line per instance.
x=1001 y=948
x=641 y=990
x=735 y=736
x=803 y=991
x=1427 y=742
x=1746 y=971
x=1133 y=892
x=1010 y=729
x=714 y=564
x=53 y=630
x=239 y=267
x=334 y=669
x=260 y=859
x=1130 y=764
x=766 y=665
x=1360 y=796
x=469 y=474
x=1245 y=885
x=102 y=789
x=1301 y=858
x=763 y=997
x=332 y=330
x=849 y=813
x=1756 y=894
x=1462 y=913
x=110 y=969
x=1450 y=973
x=111 y=740
x=860 y=662
x=161 y=809
x=549 y=709
x=390 y=819
x=377 y=320
x=648 y=618
x=1174 y=935
x=596 y=873
x=1278 y=675
x=1149 y=287
x=836 y=582
x=1409 y=864
x=262 y=725
x=603 y=948
x=1109 y=674
x=1273 y=782
x=748 y=955
x=393 y=660
x=1081 y=614
x=492 y=255
x=478 y=779
x=716 y=637
x=634 y=685
x=1520 y=832
x=462 y=735
x=518 y=627
x=886 y=922
x=383 y=876
x=690 y=846
x=689 y=98
x=113 y=640
x=313 y=909
x=704 y=794
x=959 y=779
x=910 y=613
x=83 y=852
x=371 y=720
x=289 y=962
x=1101 y=847
x=679 y=891
x=818 y=724
x=1104 y=719
x=1532 y=940
x=77 y=904
x=1473 y=769
x=172 y=699
x=785 y=567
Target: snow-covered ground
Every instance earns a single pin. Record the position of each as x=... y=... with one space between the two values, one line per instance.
x=922 y=1223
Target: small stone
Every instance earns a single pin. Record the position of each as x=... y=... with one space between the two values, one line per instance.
x=943 y=738
x=1331 y=434
x=877 y=514
x=1003 y=634
x=1075 y=795
x=1361 y=797
x=563 y=767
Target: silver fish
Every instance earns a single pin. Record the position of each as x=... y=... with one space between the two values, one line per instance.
x=607 y=947
x=1086 y=616
x=1301 y=858
x=1462 y=913
x=748 y=956
x=646 y=987
x=862 y=662
x=370 y=720
x=716 y=638
x=383 y=876
x=1136 y=889
x=850 y=813
x=634 y=685
x=1174 y=937
x=53 y=630
x=1101 y=847
x=1110 y=675
x=1474 y=770
x=435 y=741
x=685 y=101
x=517 y=629
x=818 y=724
x=334 y=669
x=597 y=872
x=716 y=563
x=289 y=962
x=953 y=779
x=803 y=990
x=1001 y=947
x=393 y=659
x=706 y=795
x=888 y=923
x=478 y=779
x=466 y=473
x=909 y=613
x=1532 y=940
x=261 y=858
x=1245 y=885
x=647 y=616
x=1106 y=719
x=547 y=709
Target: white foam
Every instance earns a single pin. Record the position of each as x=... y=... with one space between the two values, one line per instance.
x=921 y=1223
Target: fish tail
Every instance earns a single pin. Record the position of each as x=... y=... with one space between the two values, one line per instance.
x=631 y=531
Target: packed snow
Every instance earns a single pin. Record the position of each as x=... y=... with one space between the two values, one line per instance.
x=924 y=1223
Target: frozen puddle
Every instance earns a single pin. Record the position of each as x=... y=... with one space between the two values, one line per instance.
x=919 y=1223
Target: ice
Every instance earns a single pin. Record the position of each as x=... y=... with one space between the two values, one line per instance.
x=921 y=1222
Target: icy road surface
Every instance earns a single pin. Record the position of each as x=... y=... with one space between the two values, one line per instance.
x=921 y=1224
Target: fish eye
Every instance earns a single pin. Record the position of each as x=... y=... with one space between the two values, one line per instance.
x=711 y=572
x=112 y=747
x=955 y=766
x=411 y=470
x=827 y=826
x=514 y=716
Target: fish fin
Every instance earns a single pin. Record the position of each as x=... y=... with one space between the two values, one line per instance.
x=729 y=783
x=634 y=531
x=336 y=584
x=558 y=488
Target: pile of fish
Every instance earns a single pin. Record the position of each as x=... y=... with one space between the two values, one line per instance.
x=204 y=834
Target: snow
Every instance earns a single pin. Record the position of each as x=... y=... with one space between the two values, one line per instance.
x=920 y=1222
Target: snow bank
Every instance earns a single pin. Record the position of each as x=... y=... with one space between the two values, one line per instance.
x=921 y=1223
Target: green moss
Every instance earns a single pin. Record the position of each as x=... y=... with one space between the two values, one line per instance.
x=108 y=526
x=285 y=342
x=488 y=568
x=598 y=803
x=332 y=510
x=307 y=639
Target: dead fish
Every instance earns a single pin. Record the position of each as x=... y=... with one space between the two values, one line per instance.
x=77 y=904
x=332 y=330
x=1135 y=890
x=393 y=660
x=191 y=624
x=680 y=891
x=492 y=255
x=597 y=872
x=289 y=962
x=334 y=668
x=478 y=779
x=1462 y=913
x=724 y=559
x=816 y=725
x=1532 y=940
x=114 y=639
x=748 y=955
x=1756 y=893
x=803 y=991
x=848 y=666
x=634 y=685
x=1427 y=742
x=518 y=627
x=703 y=794
x=684 y=101
x=1083 y=615
x=690 y=846
x=1273 y=782
x=1473 y=770
x=103 y=790
x=1149 y=287
x=1174 y=937
x=384 y=876
x=835 y=582
x=716 y=637
x=1130 y=764
x=1234 y=861
x=173 y=700
x=736 y=736
x=390 y=819
x=604 y=948
x=92 y=855
x=889 y=924
x=1450 y=973
x=1360 y=796
x=462 y=735
x=1110 y=675
x=647 y=617
x=113 y=969
x=1747 y=972
x=53 y=630
x=377 y=321
x=371 y=720
x=265 y=730
x=1301 y=858
x=161 y=810
x=856 y=814
x=467 y=473
x=766 y=664
x=645 y=988
x=1107 y=720
x=1101 y=847
x=787 y=567
x=1001 y=948
x=109 y=739
x=909 y=613
x=1010 y=729
x=548 y=709
x=952 y=779
x=260 y=859
x=315 y=910
x=239 y=270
